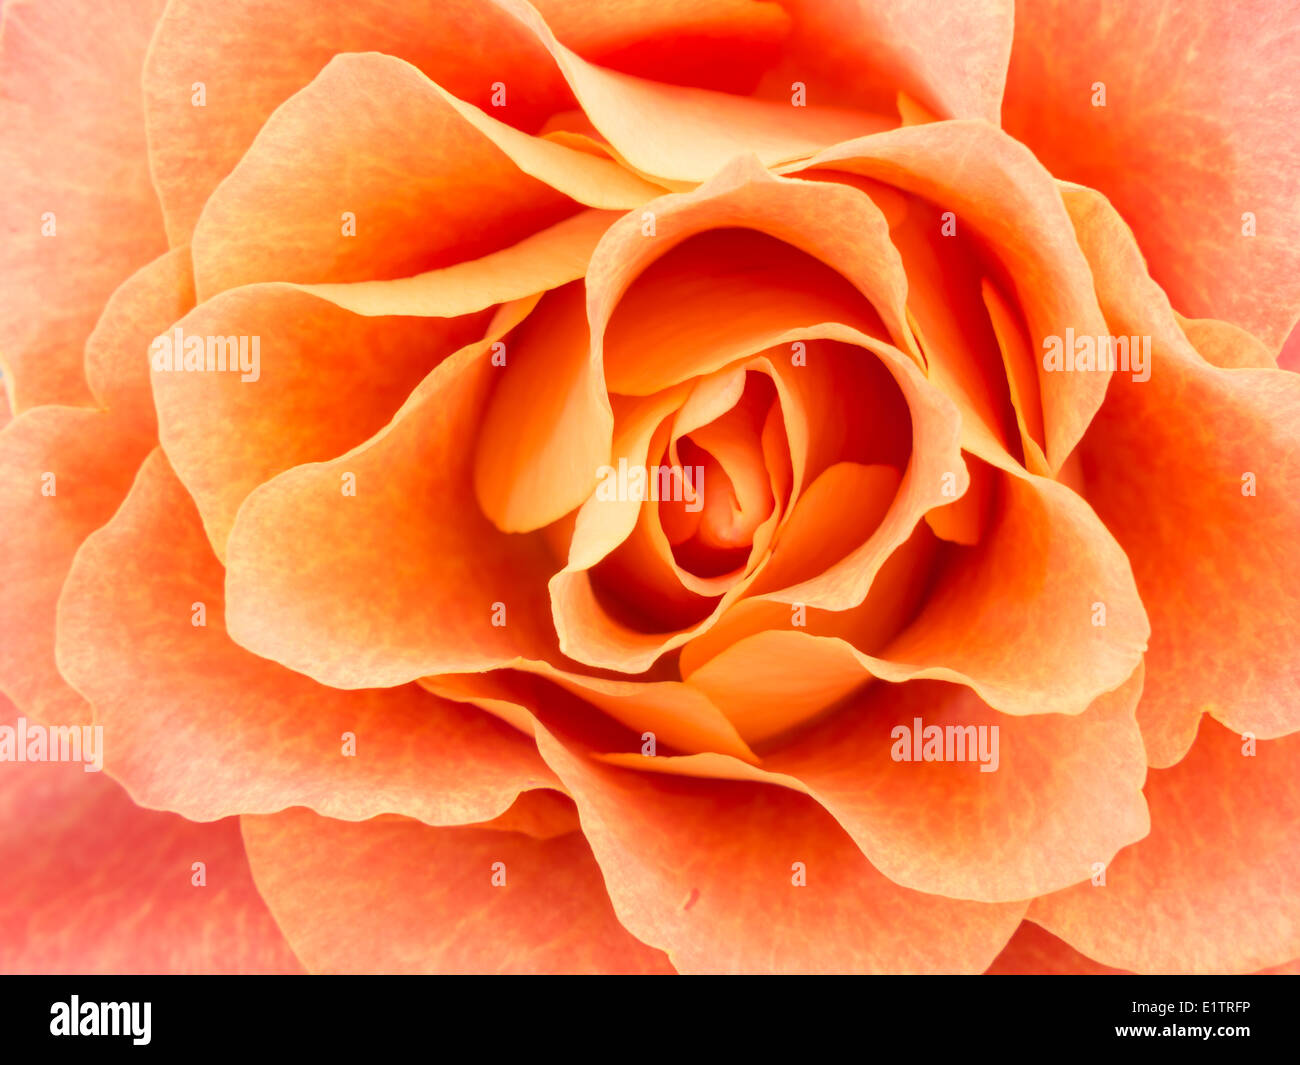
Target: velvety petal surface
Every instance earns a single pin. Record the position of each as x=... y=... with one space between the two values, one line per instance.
x=393 y=896
x=94 y=884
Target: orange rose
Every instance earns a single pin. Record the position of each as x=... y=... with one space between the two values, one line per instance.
x=701 y=487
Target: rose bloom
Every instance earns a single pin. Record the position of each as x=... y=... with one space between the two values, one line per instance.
x=702 y=486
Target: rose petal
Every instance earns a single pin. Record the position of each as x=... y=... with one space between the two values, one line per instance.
x=732 y=292
x=1197 y=125
x=706 y=871
x=966 y=519
x=542 y=813
x=996 y=188
x=1289 y=357
x=896 y=592
x=773 y=681
x=1225 y=345
x=589 y=632
x=94 y=884
x=196 y=724
x=391 y=591
x=714 y=44
x=395 y=896
x=63 y=472
x=548 y=426
x=74 y=156
x=466 y=46
x=945 y=275
x=1165 y=464
x=1065 y=791
x=951 y=57
x=1041 y=616
x=1213 y=888
x=602 y=524
x=1022 y=376
x=376 y=191
x=679 y=133
x=538 y=263
x=322 y=381
x=680 y=716
x=1074 y=790
x=1034 y=951
x=814 y=219
x=840 y=511
x=117 y=351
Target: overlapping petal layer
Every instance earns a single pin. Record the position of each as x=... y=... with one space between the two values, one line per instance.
x=391 y=895
x=194 y=723
x=1184 y=117
x=79 y=213
x=1197 y=474
x=1213 y=887
x=93 y=884
x=742 y=877
x=480 y=717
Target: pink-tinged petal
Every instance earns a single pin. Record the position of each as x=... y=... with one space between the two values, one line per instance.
x=1225 y=345
x=950 y=57
x=195 y=724
x=79 y=213
x=709 y=871
x=1196 y=131
x=63 y=472
x=1215 y=887
x=1034 y=951
x=1289 y=357
x=995 y=188
x=1196 y=472
x=117 y=352
x=466 y=46
x=91 y=457
x=94 y=884
x=395 y=896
